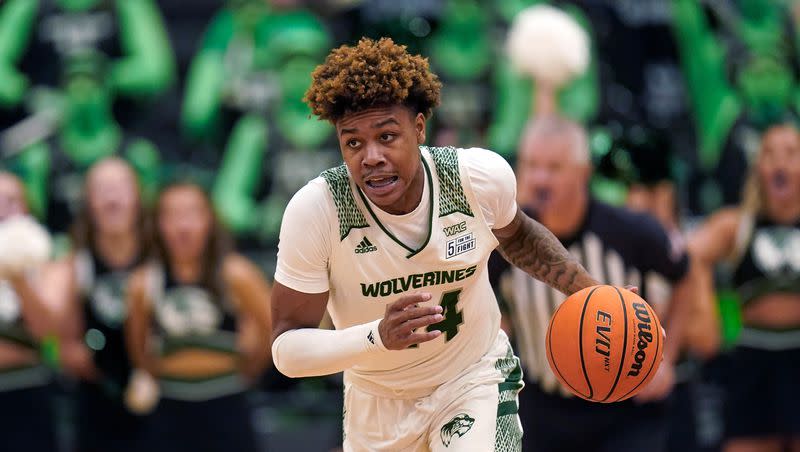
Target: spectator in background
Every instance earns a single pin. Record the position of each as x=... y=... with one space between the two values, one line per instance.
x=88 y=287
x=208 y=310
x=760 y=240
x=26 y=419
x=614 y=245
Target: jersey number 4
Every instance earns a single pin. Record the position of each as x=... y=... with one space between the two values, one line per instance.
x=452 y=316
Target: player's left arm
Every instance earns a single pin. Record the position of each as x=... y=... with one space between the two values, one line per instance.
x=675 y=322
x=678 y=314
x=533 y=248
x=137 y=324
x=251 y=293
x=37 y=314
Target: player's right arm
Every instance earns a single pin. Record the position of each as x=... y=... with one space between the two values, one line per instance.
x=61 y=292
x=709 y=244
x=714 y=239
x=522 y=241
x=301 y=349
x=137 y=323
x=300 y=295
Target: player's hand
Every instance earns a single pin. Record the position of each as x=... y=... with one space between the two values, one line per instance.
x=633 y=289
x=404 y=316
x=661 y=385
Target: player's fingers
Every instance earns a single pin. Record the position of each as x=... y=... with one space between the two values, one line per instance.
x=407 y=300
x=656 y=391
x=418 y=322
x=418 y=338
x=633 y=289
x=649 y=392
x=414 y=313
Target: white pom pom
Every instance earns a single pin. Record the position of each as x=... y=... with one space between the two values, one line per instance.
x=547 y=44
x=25 y=244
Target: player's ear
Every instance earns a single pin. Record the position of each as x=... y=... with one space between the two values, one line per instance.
x=419 y=126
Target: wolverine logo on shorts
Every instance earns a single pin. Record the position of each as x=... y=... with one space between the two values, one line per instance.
x=459 y=425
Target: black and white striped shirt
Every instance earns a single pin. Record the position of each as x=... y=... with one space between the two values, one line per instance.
x=616 y=247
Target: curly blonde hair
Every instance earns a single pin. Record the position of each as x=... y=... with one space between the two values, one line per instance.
x=372 y=74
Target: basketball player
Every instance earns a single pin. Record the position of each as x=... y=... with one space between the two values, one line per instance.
x=199 y=323
x=760 y=240
x=614 y=245
x=395 y=244
x=26 y=419
x=88 y=287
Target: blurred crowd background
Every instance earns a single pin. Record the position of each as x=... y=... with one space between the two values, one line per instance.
x=675 y=101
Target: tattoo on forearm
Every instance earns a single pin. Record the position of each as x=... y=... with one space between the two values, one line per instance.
x=534 y=249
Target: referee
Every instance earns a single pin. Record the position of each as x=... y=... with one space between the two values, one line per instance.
x=614 y=245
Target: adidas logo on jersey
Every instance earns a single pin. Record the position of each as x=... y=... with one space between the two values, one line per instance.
x=365 y=246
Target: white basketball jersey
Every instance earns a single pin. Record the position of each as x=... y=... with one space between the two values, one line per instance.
x=370 y=268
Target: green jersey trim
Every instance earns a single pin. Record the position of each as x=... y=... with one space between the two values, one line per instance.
x=412 y=251
x=201 y=388
x=451 y=193
x=508 y=434
x=219 y=341
x=350 y=216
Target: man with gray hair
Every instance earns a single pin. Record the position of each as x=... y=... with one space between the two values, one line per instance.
x=614 y=245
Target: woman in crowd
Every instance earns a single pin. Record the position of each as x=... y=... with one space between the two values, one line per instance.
x=26 y=419
x=89 y=287
x=199 y=324
x=760 y=240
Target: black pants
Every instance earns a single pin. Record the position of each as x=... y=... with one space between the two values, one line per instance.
x=696 y=419
x=761 y=393
x=104 y=424
x=218 y=425
x=552 y=423
x=27 y=420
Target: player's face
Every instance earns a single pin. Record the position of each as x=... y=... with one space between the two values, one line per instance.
x=112 y=197
x=12 y=197
x=549 y=174
x=184 y=222
x=380 y=147
x=779 y=165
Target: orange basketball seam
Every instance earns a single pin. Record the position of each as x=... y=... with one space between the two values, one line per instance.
x=624 y=344
x=580 y=342
x=553 y=356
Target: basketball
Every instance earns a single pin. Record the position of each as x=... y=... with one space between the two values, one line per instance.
x=604 y=343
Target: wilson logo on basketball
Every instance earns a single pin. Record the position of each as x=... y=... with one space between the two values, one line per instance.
x=645 y=337
x=602 y=343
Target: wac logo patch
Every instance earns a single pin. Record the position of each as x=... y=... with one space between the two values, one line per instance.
x=459 y=425
x=455 y=229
